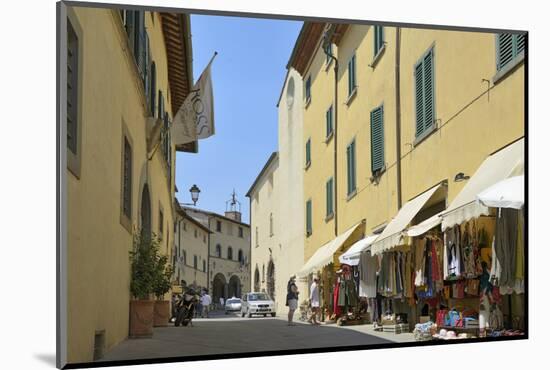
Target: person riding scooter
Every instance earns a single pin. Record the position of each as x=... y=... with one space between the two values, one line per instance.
x=185 y=308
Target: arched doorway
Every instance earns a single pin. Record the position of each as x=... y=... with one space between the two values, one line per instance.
x=145 y=213
x=234 y=287
x=218 y=287
x=270 y=283
x=257 y=280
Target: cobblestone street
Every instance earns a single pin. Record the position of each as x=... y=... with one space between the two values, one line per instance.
x=222 y=334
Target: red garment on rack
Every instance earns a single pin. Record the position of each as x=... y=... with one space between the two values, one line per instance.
x=436 y=272
x=337 y=310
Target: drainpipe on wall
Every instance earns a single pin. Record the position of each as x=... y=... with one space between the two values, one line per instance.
x=398 y=112
x=326 y=41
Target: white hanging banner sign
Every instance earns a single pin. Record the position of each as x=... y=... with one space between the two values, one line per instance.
x=195 y=118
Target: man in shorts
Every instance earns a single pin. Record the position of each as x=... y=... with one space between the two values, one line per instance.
x=314 y=301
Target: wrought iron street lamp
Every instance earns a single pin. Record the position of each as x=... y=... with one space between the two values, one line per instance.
x=195 y=191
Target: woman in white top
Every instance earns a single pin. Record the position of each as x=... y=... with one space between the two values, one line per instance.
x=314 y=301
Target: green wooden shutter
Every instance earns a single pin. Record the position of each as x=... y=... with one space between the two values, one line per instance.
x=419 y=99
x=377 y=138
x=72 y=89
x=308 y=217
x=353 y=168
x=428 y=90
x=348 y=156
x=378 y=38
x=308 y=88
x=130 y=26
x=329 y=121
x=329 y=197
x=505 y=49
x=160 y=109
x=351 y=75
x=153 y=89
x=308 y=151
x=147 y=71
x=520 y=43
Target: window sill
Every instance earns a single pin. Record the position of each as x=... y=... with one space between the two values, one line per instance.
x=351 y=195
x=329 y=137
x=329 y=217
x=308 y=102
x=308 y=234
x=308 y=165
x=508 y=68
x=376 y=175
x=351 y=97
x=125 y=222
x=378 y=56
x=424 y=135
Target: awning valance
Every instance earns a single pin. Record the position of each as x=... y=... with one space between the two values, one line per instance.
x=496 y=167
x=393 y=233
x=424 y=226
x=351 y=257
x=324 y=255
x=509 y=193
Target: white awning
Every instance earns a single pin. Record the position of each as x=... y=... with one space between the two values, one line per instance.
x=324 y=255
x=393 y=233
x=424 y=226
x=497 y=167
x=351 y=257
x=509 y=193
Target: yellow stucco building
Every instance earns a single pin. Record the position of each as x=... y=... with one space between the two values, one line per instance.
x=127 y=72
x=407 y=109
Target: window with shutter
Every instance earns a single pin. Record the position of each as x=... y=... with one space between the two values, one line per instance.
x=139 y=50
x=160 y=106
x=308 y=152
x=377 y=139
x=153 y=89
x=72 y=88
x=351 y=167
x=308 y=89
x=351 y=76
x=309 y=228
x=147 y=71
x=424 y=94
x=330 y=197
x=127 y=180
x=161 y=221
x=130 y=25
x=329 y=121
x=328 y=53
x=378 y=38
x=509 y=46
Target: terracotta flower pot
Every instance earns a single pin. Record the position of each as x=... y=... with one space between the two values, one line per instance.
x=141 y=318
x=162 y=313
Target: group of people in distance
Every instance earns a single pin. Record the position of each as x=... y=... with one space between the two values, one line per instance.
x=292 y=300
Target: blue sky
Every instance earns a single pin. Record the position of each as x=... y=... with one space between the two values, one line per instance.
x=247 y=76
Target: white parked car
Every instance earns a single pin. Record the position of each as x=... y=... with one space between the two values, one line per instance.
x=232 y=304
x=256 y=303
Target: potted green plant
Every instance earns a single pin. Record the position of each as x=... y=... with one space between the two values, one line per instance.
x=161 y=286
x=143 y=263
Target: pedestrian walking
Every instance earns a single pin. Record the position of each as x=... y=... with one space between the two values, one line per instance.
x=314 y=301
x=205 y=302
x=222 y=302
x=198 y=311
x=292 y=299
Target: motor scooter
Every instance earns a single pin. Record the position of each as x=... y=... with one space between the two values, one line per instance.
x=185 y=308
